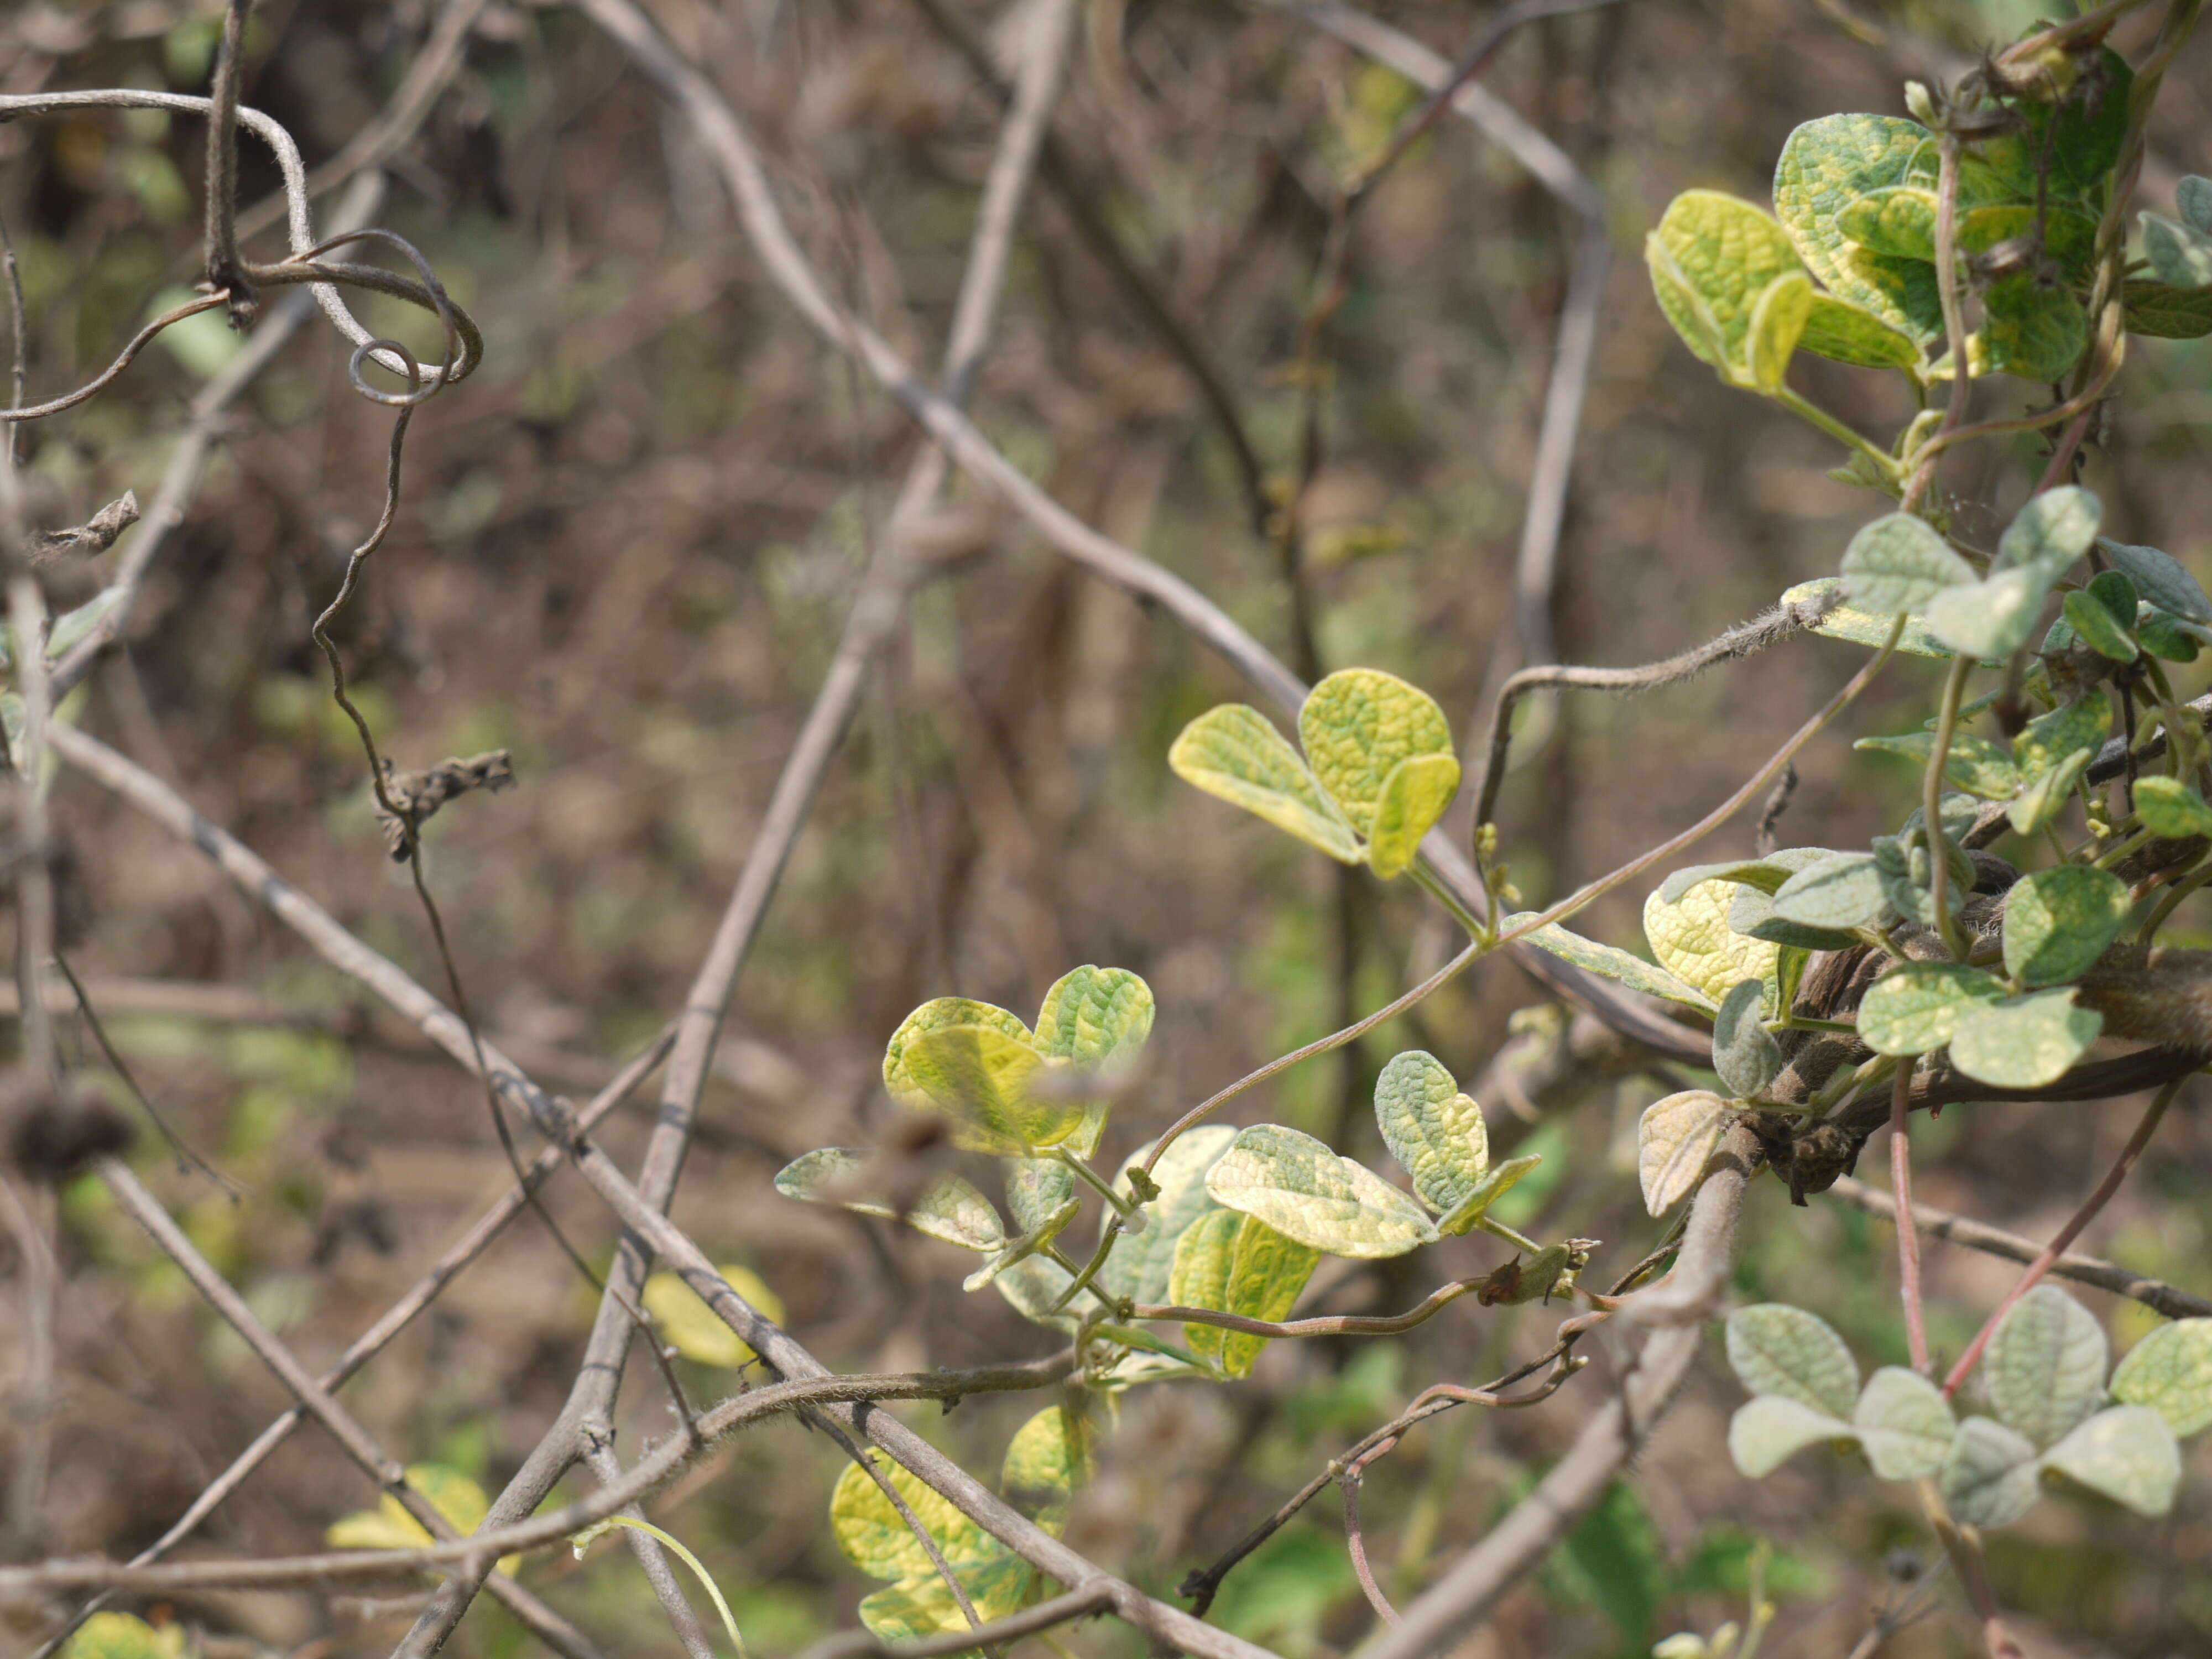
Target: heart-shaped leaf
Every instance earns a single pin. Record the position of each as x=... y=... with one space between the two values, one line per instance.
x=1993 y=618
x=986 y=1081
x=1826 y=166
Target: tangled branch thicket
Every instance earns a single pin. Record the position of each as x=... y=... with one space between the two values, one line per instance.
x=549 y=696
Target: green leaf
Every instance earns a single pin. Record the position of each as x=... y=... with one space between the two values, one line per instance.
x=1485 y=1193
x=1415 y=796
x=1038 y=1189
x=1745 y=1053
x=1827 y=164
x=935 y=1015
x=985 y=1079
x=1920 y=1006
x=1609 y=962
x=1845 y=622
x=1752 y=915
x=1238 y=1264
x=2170 y=1370
x=2093 y=625
x=1357 y=726
x=2051 y=740
x=2057 y=922
x=2160 y=310
x=2116 y=591
x=696 y=1330
x=1050 y=1457
x=1904 y=1424
x=1139 y=1266
x=1727 y=254
x=1906 y=880
x=121 y=1635
x=2027 y=1041
x=75 y=625
x=1989 y=1477
x=1674 y=1139
x=2055 y=528
x=1771 y=1429
x=1973 y=764
x=2166 y=637
x=880 y=1544
x=2193 y=195
x=2160 y=577
x=2128 y=1454
x=1096 y=1018
x=1851 y=334
x=1765 y=874
x=2046 y=1365
x=2181 y=256
x=1841 y=891
x=1297 y=1186
x=1684 y=305
x=1899 y=562
x=1899 y=222
x=922 y=1606
x=1033 y=1287
x=1233 y=753
x=1994 y=619
x=1433 y=1129
x=2035 y=332
x=2043 y=799
x=1777 y=323
x=1777 y=1349
x=2171 y=808
x=1693 y=941
x=949 y=1209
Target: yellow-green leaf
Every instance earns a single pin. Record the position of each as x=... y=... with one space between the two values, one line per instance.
x=121 y=1635
x=2035 y=332
x=1610 y=962
x=1358 y=725
x=985 y=1078
x=1847 y=333
x=949 y=1208
x=1139 y=1266
x=1777 y=323
x=922 y=1606
x=1433 y=1129
x=1728 y=253
x=2171 y=808
x=1237 y=1265
x=2057 y=922
x=1094 y=1018
x=1693 y=941
x=1296 y=1185
x=390 y=1527
x=1674 y=1139
x=1415 y=796
x=693 y=1328
x=1824 y=167
x=880 y=1544
x=1051 y=1455
x=935 y=1015
x=1234 y=753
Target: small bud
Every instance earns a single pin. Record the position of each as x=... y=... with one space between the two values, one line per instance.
x=1921 y=103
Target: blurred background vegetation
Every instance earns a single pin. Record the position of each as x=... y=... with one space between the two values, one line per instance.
x=624 y=550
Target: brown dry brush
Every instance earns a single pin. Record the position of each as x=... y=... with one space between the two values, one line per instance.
x=1343 y=357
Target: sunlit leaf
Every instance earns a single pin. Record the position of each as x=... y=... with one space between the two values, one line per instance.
x=950 y=1209
x=1920 y=1006
x=694 y=1329
x=1729 y=253
x=1674 y=1139
x=2170 y=807
x=123 y=1636
x=1693 y=941
x=2025 y=1042
x=1433 y=1129
x=1848 y=621
x=1847 y=333
x=922 y=1606
x=877 y=1541
x=937 y=1014
x=460 y=1500
x=1841 y=891
x=1049 y=1459
x=1357 y=727
x=2055 y=528
x=1237 y=1265
x=1139 y=1266
x=986 y=1081
x=1300 y=1188
x=1415 y=796
x=1235 y=754
x=2057 y=922
x=1899 y=562
x=1777 y=323
x=1824 y=167
x=1610 y=962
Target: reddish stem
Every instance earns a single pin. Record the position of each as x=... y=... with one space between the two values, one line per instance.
x=1908 y=1230
x=1357 y=1545
x=2071 y=1230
